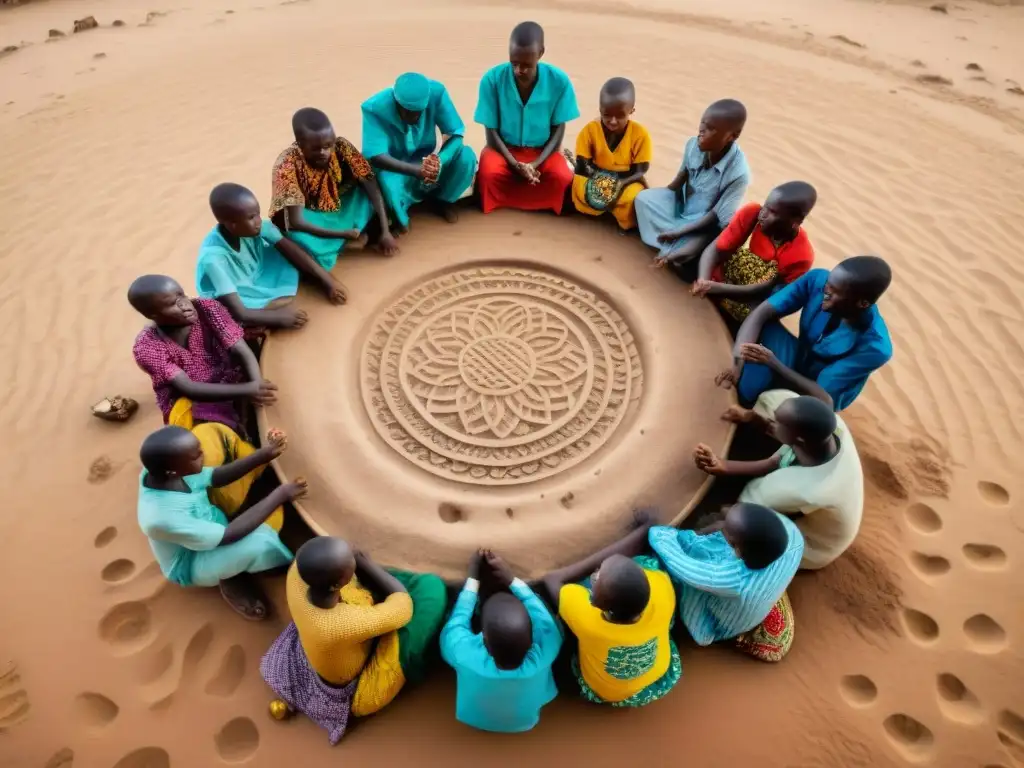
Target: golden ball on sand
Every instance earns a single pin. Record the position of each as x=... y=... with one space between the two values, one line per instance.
x=279 y=710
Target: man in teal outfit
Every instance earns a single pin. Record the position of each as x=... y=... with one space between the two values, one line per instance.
x=400 y=126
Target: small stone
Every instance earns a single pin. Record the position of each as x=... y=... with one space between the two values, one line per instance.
x=100 y=55
x=973 y=67
x=118 y=23
x=939 y=8
x=56 y=33
x=8 y=49
x=84 y=25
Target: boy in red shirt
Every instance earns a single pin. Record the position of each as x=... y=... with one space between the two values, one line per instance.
x=778 y=250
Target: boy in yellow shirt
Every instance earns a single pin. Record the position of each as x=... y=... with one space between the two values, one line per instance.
x=612 y=156
x=621 y=617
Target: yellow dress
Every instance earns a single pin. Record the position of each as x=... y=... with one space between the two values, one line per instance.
x=635 y=147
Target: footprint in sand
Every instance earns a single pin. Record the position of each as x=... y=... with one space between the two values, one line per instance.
x=993 y=493
x=238 y=740
x=62 y=758
x=146 y=757
x=858 y=690
x=14 y=703
x=95 y=711
x=101 y=470
x=127 y=628
x=229 y=674
x=923 y=518
x=984 y=634
x=162 y=679
x=911 y=738
x=1010 y=730
x=105 y=536
x=957 y=702
x=450 y=513
x=985 y=557
x=117 y=571
x=921 y=627
x=928 y=566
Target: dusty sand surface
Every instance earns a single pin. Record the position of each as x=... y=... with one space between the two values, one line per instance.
x=908 y=649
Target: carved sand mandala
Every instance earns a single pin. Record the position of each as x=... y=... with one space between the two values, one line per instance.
x=499 y=375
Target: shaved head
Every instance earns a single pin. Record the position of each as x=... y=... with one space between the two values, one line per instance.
x=621 y=589
x=730 y=112
x=618 y=90
x=865 y=277
x=310 y=120
x=325 y=563
x=145 y=289
x=162 y=451
x=527 y=34
x=757 y=534
x=807 y=420
x=507 y=630
x=799 y=196
x=228 y=199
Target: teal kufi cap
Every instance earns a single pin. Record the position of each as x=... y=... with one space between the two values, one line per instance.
x=412 y=91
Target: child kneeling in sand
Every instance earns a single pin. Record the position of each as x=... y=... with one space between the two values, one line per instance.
x=251 y=268
x=612 y=156
x=193 y=541
x=350 y=650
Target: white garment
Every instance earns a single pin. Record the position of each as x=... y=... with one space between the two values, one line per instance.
x=831 y=495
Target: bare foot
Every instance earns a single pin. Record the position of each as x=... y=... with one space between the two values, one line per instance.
x=335 y=291
x=358 y=244
x=448 y=212
x=244 y=595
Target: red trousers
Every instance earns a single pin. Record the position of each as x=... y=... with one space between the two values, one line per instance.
x=502 y=187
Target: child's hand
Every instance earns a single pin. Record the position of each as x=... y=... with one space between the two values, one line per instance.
x=277 y=441
x=706 y=461
x=336 y=293
x=293 y=318
x=667 y=237
x=296 y=489
x=736 y=414
x=757 y=353
x=728 y=378
x=499 y=568
x=263 y=392
x=701 y=288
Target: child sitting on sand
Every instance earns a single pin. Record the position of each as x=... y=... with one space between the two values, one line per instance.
x=732 y=577
x=815 y=478
x=779 y=250
x=195 y=354
x=359 y=632
x=682 y=218
x=612 y=156
x=504 y=671
x=192 y=539
x=621 y=616
x=248 y=265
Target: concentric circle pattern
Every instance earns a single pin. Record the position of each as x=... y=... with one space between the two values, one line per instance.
x=499 y=375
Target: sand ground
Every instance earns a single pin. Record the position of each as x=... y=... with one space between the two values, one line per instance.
x=908 y=649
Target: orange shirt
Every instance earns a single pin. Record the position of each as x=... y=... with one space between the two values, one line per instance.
x=794 y=258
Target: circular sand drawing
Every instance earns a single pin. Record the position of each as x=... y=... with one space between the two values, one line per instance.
x=499 y=374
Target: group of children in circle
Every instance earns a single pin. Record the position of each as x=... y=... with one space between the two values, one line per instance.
x=359 y=632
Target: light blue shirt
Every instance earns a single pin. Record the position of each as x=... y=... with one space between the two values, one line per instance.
x=501 y=700
x=257 y=271
x=180 y=524
x=842 y=361
x=386 y=133
x=719 y=188
x=501 y=108
x=719 y=596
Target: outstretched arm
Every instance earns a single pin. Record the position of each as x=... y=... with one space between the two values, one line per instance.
x=256 y=515
x=297 y=222
x=297 y=256
x=707 y=461
x=388 y=163
x=756 y=353
x=387 y=242
x=284 y=317
x=637 y=171
x=378 y=580
x=631 y=544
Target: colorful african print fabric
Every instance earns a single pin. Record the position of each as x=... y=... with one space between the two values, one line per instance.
x=296 y=183
x=746 y=268
x=771 y=639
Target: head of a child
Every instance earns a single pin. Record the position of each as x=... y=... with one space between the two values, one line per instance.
x=171 y=452
x=804 y=422
x=160 y=299
x=412 y=95
x=721 y=125
x=236 y=209
x=525 y=50
x=785 y=209
x=620 y=589
x=855 y=284
x=617 y=103
x=314 y=136
x=506 y=630
x=325 y=564
x=756 y=534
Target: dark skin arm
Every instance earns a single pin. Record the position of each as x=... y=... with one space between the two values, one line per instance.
x=296 y=255
x=236 y=470
x=495 y=142
x=552 y=146
x=710 y=464
x=375 y=578
x=256 y=515
x=584 y=167
x=297 y=222
x=388 y=163
x=387 y=243
x=677 y=184
x=284 y=317
x=631 y=544
x=257 y=388
x=757 y=353
x=749 y=294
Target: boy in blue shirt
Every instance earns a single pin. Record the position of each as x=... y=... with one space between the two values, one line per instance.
x=504 y=671
x=249 y=266
x=843 y=338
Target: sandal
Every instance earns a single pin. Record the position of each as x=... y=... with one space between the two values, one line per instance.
x=116 y=408
x=245 y=597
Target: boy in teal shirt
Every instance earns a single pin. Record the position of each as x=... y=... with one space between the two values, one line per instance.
x=504 y=672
